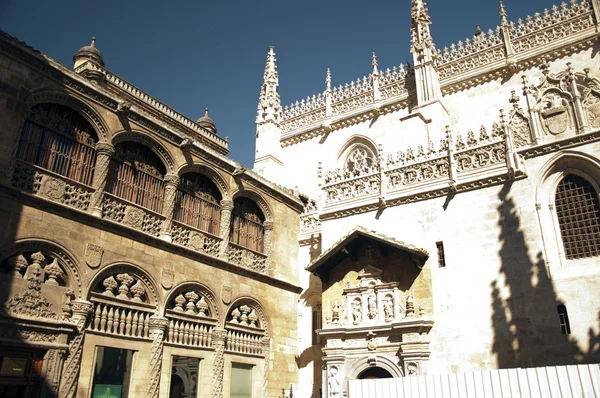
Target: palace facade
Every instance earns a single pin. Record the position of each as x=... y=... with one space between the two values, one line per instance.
x=443 y=217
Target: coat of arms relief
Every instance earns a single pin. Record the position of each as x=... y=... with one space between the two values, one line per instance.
x=555 y=112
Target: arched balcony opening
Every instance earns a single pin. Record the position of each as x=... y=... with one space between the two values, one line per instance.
x=58 y=139
x=137 y=174
x=197 y=203
x=247 y=227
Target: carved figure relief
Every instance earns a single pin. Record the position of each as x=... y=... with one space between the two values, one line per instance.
x=372 y=307
x=388 y=308
x=333 y=382
x=357 y=311
x=555 y=114
x=335 y=313
x=93 y=255
x=412 y=369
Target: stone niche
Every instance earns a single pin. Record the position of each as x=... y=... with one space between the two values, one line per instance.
x=377 y=303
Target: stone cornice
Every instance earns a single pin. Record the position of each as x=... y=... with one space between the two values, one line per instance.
x=122 y=230
x=417 y=325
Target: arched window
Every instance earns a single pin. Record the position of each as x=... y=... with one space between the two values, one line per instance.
x=316 y=324
x=198 y=203
x=247 y=229
x=136 y=174
x=58 y=139
x=359 y=160
x=578 y=213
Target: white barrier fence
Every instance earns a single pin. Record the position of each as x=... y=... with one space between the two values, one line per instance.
x=552 y=381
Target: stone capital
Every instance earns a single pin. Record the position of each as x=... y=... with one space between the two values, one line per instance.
x=268 y=225
x=158 y=324
x=227 y=204
x=171 y=180
x=81 y=308
x=105 y=148
x=219 y=335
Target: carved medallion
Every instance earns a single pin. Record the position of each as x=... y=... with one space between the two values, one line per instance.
x=196 y=241
x=555 y=114
x=226 y=294
x=53 y=188
x=134 y=217
x=93 y=255
x=167 y=278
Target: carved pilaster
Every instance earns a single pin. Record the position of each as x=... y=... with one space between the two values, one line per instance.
x=218 y=341
x=513 y=161
x=226 y=208
x=104 y=153
x=171 y=183
x=53 y=364
x=268 y=242
x=158 y=326
x=81 y=310
x=266 y=350
x=582 y=126
x=534 y=121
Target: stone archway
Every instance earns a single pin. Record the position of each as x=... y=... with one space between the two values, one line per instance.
x=374 y=372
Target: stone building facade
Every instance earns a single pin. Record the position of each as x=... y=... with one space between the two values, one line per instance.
x=136 y=258
x=452 y=218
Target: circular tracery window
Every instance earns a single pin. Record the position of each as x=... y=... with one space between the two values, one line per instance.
x=360 y=159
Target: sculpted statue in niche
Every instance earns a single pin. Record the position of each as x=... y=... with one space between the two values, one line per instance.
x=333 y=383
x=555 y=113
x=335 y=314
x=357 y=311
x=372 y=306
x=388 y=308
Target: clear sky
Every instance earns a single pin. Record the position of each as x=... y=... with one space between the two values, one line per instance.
x=197 y=54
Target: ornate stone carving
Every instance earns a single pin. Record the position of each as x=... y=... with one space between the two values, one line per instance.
x=133 y=217
x=372 y=306
x=357 y=316
x=196 y=240
x=333 y=382
x=53 y=188
x=555 y=113
x=218 y=342
x=157 y=330
x=93 y=255
x=68 y=388
x=104 y=153
x=388 y=307
x=412 y=369
x=167 y=276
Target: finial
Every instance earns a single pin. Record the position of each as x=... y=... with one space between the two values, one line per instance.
x=502 y=121
x=503 y=14
x=93 y=42
x=478 y=30
x=514 y=99
x=328 y=80
x=206 y=112
x=374 y=63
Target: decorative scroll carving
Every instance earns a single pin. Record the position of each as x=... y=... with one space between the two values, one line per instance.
x=93 y=255
x=488 y=155
x=219 y=336
x=103 y=154
x=157 y=330
x=68 y=388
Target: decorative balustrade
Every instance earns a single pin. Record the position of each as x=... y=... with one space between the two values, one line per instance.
x=195 y=239
x=153 y=102
x=189 y=330
x=244 y=339
x=351 y=188
x=126 y=319
x=423 y=171
x=246 y=258
x=44 y=183
x=482 y=156
x=131 y=215
x=552 y=25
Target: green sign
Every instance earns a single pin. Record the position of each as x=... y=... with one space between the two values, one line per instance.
x=107 y=391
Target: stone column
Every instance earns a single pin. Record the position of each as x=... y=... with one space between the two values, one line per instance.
x=226 y=208
x=53 y=364
x=158 y=326
x=171 y=183
x=580 y=117
x=268 y=242
x=104 y=153
x=218 y=341
x=266 y=351
x=68 y=387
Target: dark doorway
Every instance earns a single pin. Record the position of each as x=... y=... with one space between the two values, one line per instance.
x=177 y=390
x=375 y=373
x=20 y=372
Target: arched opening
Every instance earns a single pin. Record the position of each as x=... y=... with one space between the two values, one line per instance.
x=197 y=203
x=59 y=139
x=136 y=174
x=374 y=373
x=578 y=213
x=247 y=227
x=563 y=319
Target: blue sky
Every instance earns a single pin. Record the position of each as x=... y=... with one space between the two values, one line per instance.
x=197 y=54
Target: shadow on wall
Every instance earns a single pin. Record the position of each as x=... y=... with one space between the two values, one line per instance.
x=525 y=319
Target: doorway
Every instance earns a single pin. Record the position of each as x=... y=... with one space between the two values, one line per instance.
x=374 y=373
x=20 y=372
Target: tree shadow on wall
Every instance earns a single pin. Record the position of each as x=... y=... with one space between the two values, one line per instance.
x=525 y=319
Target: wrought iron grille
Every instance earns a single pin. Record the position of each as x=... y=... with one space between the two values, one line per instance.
x=578 y=216
x=136 y=175
x=247 y=227
x=58 y=139
x=197 y=203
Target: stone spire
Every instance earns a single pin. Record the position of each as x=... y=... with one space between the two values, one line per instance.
x=88 y=53
x=328 y=99
x=269 y=104
x=374 y=64
x=422 y=45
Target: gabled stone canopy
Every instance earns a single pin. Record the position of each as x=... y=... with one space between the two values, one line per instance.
x=347 y=245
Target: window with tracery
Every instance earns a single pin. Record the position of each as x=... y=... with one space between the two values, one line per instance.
x=198 y=203
x=58 y=139
x=360 y=160
x=247 y=227
x=578 y=213
x=136 y=174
